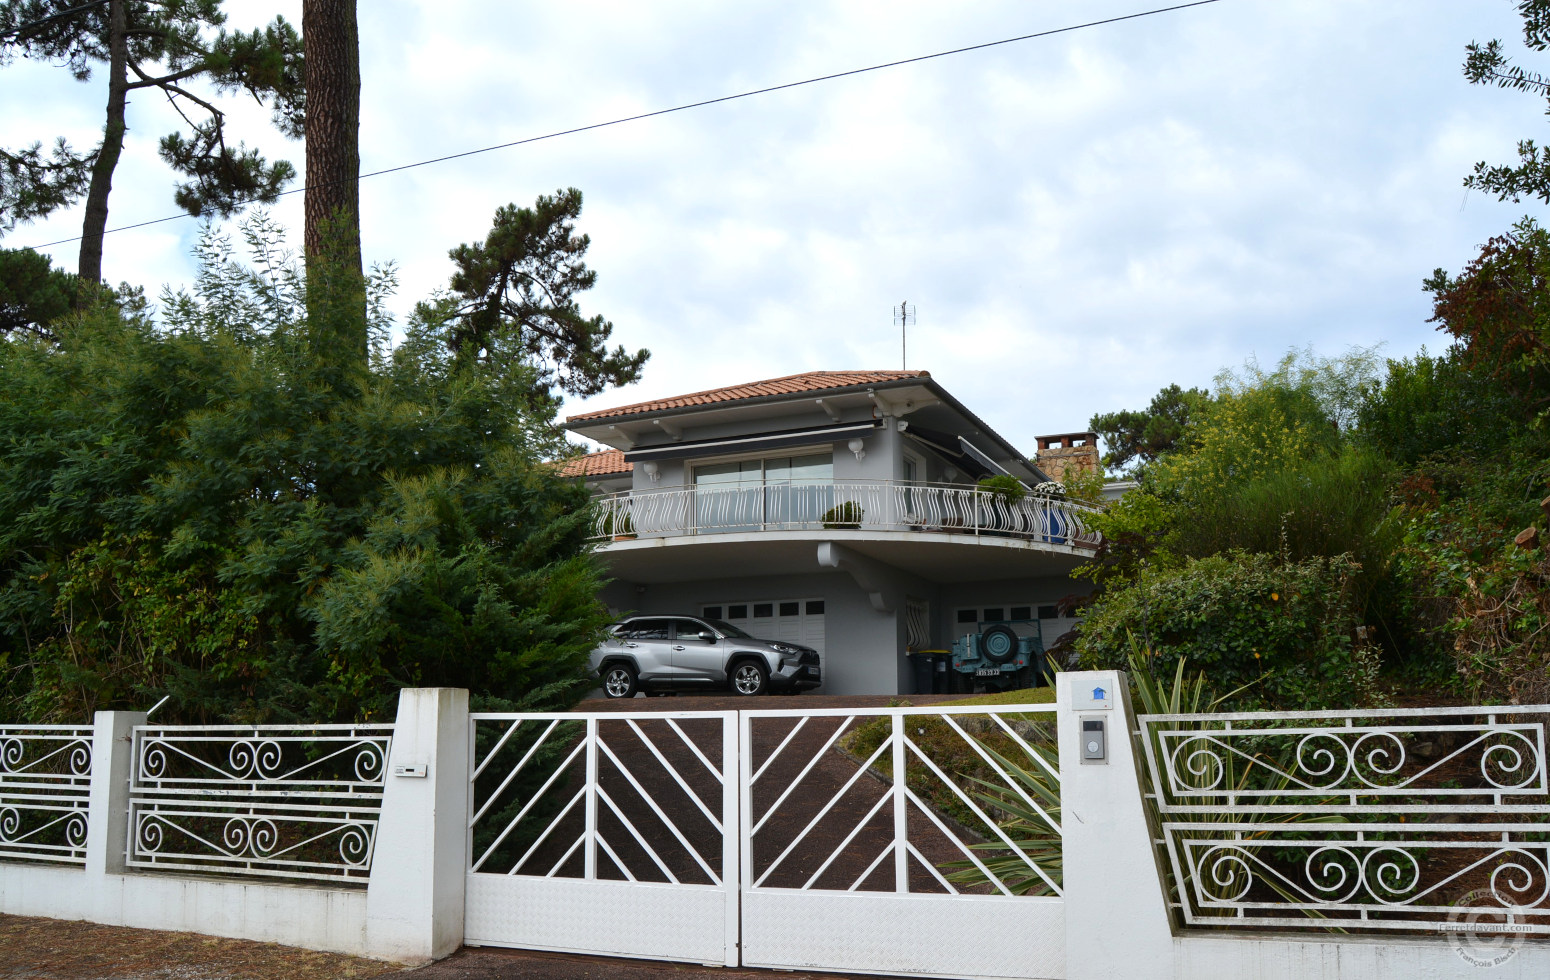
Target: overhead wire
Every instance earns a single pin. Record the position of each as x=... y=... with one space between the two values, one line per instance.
x=668 y=111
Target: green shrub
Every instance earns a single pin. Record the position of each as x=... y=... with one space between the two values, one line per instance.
x=1322 y=507
x=618 y=524
x=843 y=516
x=1008 y=488
x=1287 y=630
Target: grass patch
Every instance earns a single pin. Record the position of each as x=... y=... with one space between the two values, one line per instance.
x=1028 y=695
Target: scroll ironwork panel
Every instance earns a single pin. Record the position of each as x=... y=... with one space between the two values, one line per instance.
x=282 y=801
x=1376 y=819
x=45 y=780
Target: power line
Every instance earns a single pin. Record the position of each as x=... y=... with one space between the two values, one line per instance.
x=51 y=17
x=678 y=108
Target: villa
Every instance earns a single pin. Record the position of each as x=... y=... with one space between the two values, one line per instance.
x=838 y=509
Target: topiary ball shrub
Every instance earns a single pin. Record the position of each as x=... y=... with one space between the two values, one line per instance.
x=843 y=516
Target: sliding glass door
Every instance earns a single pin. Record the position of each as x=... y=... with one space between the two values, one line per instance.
x=753 y=494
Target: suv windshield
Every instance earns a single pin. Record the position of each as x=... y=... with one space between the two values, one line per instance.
x=727 y=629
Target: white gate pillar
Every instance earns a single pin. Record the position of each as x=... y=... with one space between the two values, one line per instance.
x=107 y=805
x=1117 y=922
x=414 y=902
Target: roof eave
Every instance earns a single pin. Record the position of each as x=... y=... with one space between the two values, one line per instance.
x=792 y=396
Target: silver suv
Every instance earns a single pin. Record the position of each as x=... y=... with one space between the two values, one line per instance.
x=658 y=654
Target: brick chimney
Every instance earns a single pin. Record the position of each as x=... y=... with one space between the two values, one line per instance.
x=1068 y=455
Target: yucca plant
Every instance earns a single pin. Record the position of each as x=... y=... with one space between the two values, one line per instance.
x=1035 y=830
x=1037 y=834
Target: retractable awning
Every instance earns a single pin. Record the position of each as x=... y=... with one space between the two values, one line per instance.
x=769 y=440
x=984 y=460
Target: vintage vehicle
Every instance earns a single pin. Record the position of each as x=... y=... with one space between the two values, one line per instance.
x=664 y=654
x=997 y=659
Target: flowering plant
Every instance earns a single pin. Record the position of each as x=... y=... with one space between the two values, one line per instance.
x=1051 y=488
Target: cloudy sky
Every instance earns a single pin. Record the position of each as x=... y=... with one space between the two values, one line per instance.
x=1081 y=219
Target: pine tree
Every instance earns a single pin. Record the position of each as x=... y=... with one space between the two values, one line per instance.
x=164 y=46
x=332 y=236
x=514 y=300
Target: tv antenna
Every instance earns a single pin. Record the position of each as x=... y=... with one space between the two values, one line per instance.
x=904 y=315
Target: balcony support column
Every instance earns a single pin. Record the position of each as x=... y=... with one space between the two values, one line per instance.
x=868 y=573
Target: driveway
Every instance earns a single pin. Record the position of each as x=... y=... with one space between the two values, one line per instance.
x=51 y=949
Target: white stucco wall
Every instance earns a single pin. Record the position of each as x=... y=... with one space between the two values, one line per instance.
x=411 y=912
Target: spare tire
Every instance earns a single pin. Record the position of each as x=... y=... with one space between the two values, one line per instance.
x=998 y=644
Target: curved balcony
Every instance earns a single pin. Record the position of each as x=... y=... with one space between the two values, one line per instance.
x=872 y=506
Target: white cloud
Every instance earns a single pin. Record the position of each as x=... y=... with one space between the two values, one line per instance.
x=1081 y=219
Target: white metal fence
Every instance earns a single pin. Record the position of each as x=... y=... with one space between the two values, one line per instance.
x=45 y=779
x=269 y=800
x=1355 y=820
x=874 y=505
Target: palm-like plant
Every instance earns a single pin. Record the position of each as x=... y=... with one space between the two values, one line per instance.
x=1036 y=830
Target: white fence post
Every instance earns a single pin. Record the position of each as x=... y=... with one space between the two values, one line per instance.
x=107 y=808
x=414 y=903
x=1117 y=922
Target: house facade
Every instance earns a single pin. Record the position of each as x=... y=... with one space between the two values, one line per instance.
x=839 y=509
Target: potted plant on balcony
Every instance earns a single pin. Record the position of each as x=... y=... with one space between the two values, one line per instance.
x=1054 y=529
x=843 y=516
x=1005 y=488
x=1002 y=515
x=619 y=525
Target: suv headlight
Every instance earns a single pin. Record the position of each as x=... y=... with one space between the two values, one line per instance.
x=785 y=649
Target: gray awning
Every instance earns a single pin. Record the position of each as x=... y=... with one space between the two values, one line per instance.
x=770 y=440
x=984 y=460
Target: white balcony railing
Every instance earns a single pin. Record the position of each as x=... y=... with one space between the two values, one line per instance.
x=879 y=506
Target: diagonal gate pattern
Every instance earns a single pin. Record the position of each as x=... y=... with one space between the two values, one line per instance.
x=815 y=839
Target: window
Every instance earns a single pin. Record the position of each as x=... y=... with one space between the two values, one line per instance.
x=687 y=628
x=995 y=615
x=763 y=610
x=970 y=616
x=752 y=493
x=737 y=612
x=791 y=609
x=815 y=607
x=1022 y=612
x=644 y=629
x=712 y=612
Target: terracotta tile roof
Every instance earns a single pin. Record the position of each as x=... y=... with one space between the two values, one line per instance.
x=606 y=463
x=811 y=381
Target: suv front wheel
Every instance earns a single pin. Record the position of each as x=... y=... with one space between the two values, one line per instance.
x=619 y=681
x=750 y=678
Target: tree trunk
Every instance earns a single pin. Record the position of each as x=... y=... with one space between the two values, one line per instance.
x=90 y=266
x=336 y=283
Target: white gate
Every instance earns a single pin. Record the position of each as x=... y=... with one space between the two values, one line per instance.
x=902 y=841
x=919 y=841
x=608 y=833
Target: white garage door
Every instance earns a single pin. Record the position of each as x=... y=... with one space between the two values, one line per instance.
x=1044 y=620
x=792 y=620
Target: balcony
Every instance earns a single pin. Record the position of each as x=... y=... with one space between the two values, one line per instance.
x=872 y=506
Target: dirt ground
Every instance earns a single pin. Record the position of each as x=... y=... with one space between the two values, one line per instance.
x=49 y=949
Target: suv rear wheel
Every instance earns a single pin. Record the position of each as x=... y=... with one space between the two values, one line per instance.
x=619 y=681
x=750 y=678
